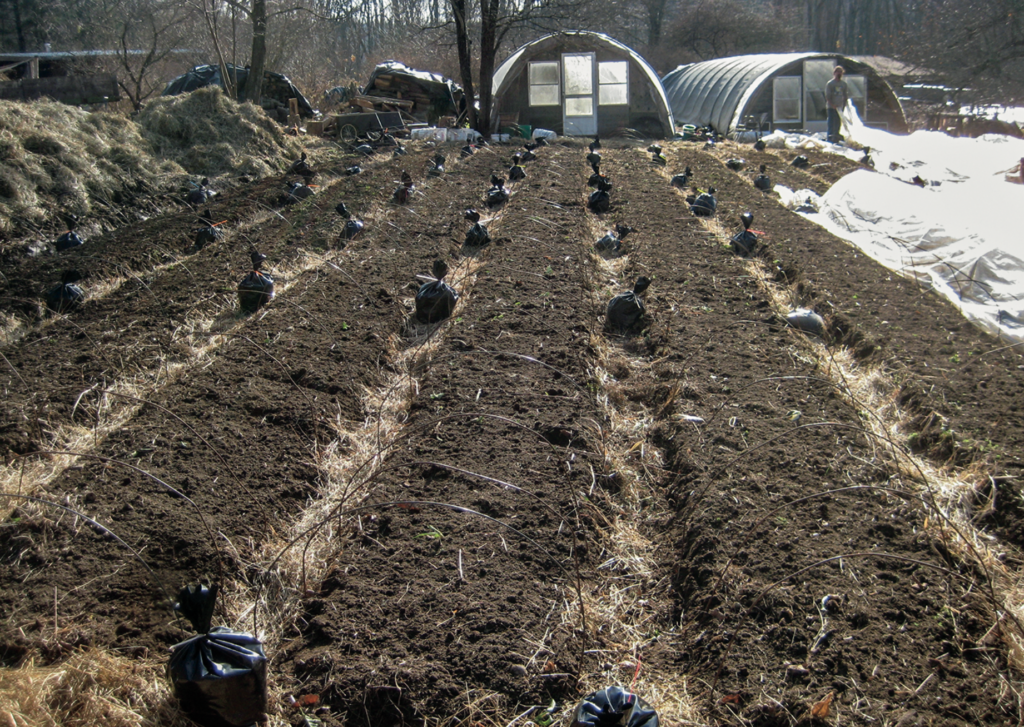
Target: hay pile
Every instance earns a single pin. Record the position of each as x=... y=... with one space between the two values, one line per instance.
x=58 y=157
x=90 y=688
x=209 y=134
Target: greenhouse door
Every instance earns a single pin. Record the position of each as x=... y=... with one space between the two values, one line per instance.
x=579 y=114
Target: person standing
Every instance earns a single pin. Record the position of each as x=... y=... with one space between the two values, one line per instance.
x=837 y=94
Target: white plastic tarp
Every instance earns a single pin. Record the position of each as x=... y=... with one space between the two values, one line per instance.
x=954 y=228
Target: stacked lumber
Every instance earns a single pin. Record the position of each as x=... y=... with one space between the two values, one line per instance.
x=405 y=89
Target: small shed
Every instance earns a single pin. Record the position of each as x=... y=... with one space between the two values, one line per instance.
x=579 y=83
x=776 y=91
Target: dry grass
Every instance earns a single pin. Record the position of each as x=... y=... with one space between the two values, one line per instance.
x=623 y=608
x=209 y=134
x=58 y=157
x=89 y=689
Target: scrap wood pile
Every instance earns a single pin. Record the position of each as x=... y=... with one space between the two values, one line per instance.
x=394 y=86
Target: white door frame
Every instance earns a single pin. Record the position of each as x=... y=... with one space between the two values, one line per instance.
x=577 y=124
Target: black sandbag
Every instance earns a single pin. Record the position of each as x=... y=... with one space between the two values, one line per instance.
x=478 y=236
x=611 y=243
x=68 y=240
x=516 y=172
x=403 y=194
x=626 y=309
x=436 y=300
x=206 y=235
x=67 y=296
x=744 y=242
x=353 y=226
x=498 y=193
x=437 y=166
x=681 y=181
x=297 y=191
x=220 y=676
x=705 y=204
x=614 y=707
x=762 y=181
x=200 y=195
x=256 y=288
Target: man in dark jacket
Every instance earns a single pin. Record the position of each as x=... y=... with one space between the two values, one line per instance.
x=837 y=93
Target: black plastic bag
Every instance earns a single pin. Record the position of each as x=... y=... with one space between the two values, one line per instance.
x=705 y=204
x=437 y=166
x=762 y=181
x=208 y=231
x=200 y=195
x=626 y=309
x=403 y=194
x=436 y=300
x=681 y=181
x=516 y=172
x=478 y=236
x=744 y=242
x=353 y=226
x=68 y=240
x=600 y=201
x=67 y=296
x=611 y=243
x=220 y=676
x=614 y=707
x=800 y=162
x=498 y=193
x=297 y=191
x=256 y=288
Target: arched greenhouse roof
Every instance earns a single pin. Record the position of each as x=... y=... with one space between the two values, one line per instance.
x=512 y=65
x=716 y=92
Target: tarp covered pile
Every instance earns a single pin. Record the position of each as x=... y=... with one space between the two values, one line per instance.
x=939 y=209
x=277 y=89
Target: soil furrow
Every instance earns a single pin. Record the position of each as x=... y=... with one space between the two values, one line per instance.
x=752 y=622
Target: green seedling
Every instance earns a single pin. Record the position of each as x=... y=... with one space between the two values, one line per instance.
x=432 y=533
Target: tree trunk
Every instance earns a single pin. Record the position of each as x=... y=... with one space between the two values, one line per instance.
x=465 y=60
x=19 y=26
x=655 y=20
x=488 y=51
x=254 y=86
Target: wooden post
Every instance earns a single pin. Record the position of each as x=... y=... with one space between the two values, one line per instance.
x=293 y=112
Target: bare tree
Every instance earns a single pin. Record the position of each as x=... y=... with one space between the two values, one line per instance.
x=497 y=21
x=148 y=34
x=973 y=43
x=716 y=28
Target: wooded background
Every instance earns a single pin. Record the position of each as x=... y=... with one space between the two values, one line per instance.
x=325 y=43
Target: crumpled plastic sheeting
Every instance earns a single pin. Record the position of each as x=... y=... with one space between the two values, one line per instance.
x=957 y=234
x=614 y=707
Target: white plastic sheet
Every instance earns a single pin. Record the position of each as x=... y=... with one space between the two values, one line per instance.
x=959 y=233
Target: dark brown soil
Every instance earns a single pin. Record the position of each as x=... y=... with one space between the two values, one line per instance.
x=792 y=561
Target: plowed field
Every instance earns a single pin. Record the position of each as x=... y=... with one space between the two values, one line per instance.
x=460 y=522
